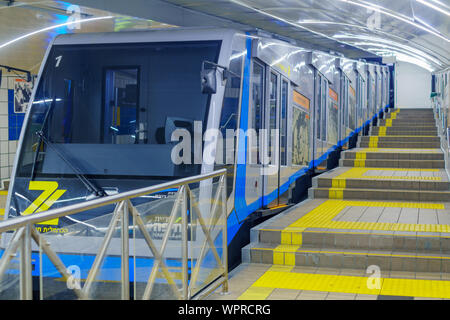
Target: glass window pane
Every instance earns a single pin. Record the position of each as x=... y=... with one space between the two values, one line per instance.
x=283 y=123
x=100 y=102
x=256 y=110
x=121 y=106
x=324 y=93
x=273 y=110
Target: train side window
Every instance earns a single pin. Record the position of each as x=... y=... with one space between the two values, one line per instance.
x=324 y=93
x=319 y=108
x=256 y=110
x=283 y=123
x=272 y=112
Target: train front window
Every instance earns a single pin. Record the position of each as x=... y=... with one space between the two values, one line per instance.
x=111 y=109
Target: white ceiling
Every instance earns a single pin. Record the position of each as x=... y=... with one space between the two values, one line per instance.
x=414 y=30
x=418 y=29
x=27 y=27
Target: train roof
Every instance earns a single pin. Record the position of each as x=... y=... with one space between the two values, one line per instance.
x=176 y=34
x=152 y=35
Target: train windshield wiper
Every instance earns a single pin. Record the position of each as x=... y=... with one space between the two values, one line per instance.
x=95 y=192
x=88 y=184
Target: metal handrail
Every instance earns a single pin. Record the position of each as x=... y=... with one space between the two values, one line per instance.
x=25 y=232
x=10 y=224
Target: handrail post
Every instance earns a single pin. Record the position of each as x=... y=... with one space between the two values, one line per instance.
x=184 y=248
x=125 y=253
x=26 y=285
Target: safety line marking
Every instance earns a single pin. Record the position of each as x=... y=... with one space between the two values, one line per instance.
x=271 y=280
x=358 y=233
x=322 y=217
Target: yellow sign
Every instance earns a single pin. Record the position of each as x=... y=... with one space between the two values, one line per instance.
x=45 y=200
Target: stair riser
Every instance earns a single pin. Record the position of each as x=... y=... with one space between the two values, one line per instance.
x=386 y=195
x=410 y=124
x=401 y=145
x=352 y=261
x=393 y=134
x=401 y=243
x=387 y=184
x=423 y=164
x=425 y=117
x=395 y=156
x=404 y=133
x=401 y=139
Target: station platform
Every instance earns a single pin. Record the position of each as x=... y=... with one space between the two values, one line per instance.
x=376 y=227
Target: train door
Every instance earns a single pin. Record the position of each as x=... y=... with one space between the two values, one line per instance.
x=275 y=122
x=120 y=113
x=254 y=179
x=383 y=89
x=360 y=97
x=321 y=94
x=344 y=106
x=371 y=94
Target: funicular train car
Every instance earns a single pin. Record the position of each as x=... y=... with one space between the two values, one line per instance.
x=105 y=108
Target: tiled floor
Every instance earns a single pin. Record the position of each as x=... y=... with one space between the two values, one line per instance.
x=244 y=285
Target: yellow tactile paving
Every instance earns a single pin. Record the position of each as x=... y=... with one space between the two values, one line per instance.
x=273 y=279
x=256 y=293
x=284 y=254
x=322 y=217
x=373 y=142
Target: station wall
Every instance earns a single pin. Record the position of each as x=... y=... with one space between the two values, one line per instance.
x=413 y=85
x=12 y=114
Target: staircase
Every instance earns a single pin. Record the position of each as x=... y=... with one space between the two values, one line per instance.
x=385 y=205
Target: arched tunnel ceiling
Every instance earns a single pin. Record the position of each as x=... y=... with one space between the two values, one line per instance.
x=417 y=30
x=414 y=30
x=28 y=26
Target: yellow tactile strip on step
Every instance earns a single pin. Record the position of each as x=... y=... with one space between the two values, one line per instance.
x=284 y=254
x=373 y=142
x=322 y=217
x=278 y=279
x=361 y=173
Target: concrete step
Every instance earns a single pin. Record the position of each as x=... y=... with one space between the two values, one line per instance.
x=387 y=184
x=408 y=127
x=405 y=145
x=405 y=131
x=403 y=241
x=292 y=255
x=371 y=155
x=392 y=163
x=412 y=111
x=412 y=123
x=411 y=119
x=376 y=194
x=399 y=139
